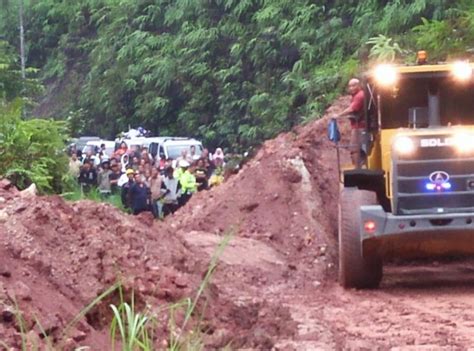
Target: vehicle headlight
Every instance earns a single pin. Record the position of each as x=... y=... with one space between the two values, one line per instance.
x=462 y=71
x=404 y=145
x=385 y=75
x=463 y=142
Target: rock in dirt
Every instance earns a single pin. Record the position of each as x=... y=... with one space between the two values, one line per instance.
x=20 y=291
x=7 y=314
x=291 y=175
x=79 y=336
x=3 y=215
x=5 y=184
x=249 y=207
x=31 y=191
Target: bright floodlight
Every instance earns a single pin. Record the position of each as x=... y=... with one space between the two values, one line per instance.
x=462 y=71
x=464 y=142
x=385 y=75
x=404 y=145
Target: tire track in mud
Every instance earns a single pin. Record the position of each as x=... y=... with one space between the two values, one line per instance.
x=418 y=306
x=419 y=312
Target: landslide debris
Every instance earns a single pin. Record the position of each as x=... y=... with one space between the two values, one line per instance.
x=286 y=197
x=56 y=257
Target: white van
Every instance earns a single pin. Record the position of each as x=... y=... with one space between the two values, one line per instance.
x=132 y=144
x=94 y=147
x=171 y=147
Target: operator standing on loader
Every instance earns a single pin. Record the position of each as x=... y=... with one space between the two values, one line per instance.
x=355 y=113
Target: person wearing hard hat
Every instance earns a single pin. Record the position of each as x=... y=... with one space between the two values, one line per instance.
x=187 y=181
x=126 y=181
x=179 y=169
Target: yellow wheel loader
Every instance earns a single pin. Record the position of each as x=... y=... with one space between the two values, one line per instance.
x=414 y=197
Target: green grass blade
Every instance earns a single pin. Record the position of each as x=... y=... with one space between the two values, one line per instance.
x=214 y=260
x=119 y=322
x=46 y=336
x=21 y=323
x=85 y=310
x=113 y=332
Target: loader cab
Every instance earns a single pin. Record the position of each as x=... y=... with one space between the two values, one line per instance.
x=420 y=96
x=416 y=99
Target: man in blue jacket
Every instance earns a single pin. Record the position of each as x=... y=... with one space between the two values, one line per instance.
x=139 y=195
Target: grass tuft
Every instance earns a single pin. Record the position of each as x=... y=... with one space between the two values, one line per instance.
x=136 y=329
x=94 y=195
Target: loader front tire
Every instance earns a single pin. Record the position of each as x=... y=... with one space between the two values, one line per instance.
x=355 y=270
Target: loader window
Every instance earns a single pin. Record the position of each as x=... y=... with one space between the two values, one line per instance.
x=456 y=101
x=396 y=104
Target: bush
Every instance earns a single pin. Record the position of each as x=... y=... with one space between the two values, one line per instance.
x=32 y=150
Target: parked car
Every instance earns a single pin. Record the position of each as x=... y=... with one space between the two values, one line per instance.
x=83 y=140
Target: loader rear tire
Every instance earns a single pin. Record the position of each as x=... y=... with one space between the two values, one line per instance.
x=355 y=270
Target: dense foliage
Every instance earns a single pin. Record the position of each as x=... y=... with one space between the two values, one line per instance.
x=233 y=72
x=11 y=83
x=31 y=150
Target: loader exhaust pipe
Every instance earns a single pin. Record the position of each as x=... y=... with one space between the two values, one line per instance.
x=434 y=118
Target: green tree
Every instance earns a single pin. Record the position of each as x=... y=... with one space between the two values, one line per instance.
x=32 y=150
x=232 y=72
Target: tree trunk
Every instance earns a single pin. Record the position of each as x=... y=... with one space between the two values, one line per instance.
x=22 y=40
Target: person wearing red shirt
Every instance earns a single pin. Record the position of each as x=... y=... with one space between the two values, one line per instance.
x=355 y=113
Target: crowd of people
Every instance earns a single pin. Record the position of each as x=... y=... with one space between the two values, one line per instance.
x=146 y=183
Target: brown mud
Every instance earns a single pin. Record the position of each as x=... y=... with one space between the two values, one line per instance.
x=275 y=285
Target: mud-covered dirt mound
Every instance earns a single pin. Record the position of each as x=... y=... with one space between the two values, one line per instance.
x=56 y=257
x=285 y=196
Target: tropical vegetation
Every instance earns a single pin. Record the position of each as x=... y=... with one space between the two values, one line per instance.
x=231 y=72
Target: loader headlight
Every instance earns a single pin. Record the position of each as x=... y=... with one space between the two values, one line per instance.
x=403 y=145
x=462 y=71
x=385 y=75
x=463 y=142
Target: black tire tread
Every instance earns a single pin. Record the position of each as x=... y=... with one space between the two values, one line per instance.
x=355 y=271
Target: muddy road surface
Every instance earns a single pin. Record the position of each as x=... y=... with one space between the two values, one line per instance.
x=426 y=305
x=418 y=306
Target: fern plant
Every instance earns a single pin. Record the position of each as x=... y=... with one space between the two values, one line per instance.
x=384 y=48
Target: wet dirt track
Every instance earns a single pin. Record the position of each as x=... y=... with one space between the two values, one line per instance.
x=418 y=306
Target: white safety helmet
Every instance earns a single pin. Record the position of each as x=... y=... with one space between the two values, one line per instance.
x=183 y=164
